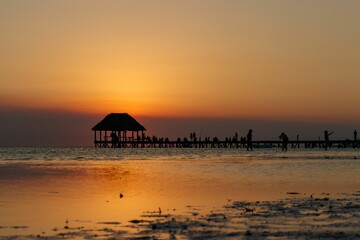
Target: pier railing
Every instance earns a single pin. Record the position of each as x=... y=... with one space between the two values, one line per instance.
x=227 y=144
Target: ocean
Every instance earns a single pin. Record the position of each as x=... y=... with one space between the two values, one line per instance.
x=49 y=191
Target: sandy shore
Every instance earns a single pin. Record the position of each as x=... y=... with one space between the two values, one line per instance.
x=299 y=216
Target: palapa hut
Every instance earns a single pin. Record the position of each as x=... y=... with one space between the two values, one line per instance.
x=113 y=130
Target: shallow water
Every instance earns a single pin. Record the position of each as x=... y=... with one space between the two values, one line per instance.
x=45 y=190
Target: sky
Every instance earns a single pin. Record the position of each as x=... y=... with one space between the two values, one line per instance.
x=228 y=65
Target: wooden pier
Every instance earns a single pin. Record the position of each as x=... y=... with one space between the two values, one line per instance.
x=225 y=144
x=120 y=130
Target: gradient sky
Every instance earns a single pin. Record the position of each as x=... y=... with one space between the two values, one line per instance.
x=281 y=59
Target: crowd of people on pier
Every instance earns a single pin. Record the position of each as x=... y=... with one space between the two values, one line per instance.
x=234 y=141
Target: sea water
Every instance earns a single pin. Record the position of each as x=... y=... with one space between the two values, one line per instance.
x=44 y=190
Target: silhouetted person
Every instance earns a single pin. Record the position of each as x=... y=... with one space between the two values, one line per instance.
x=143 y=136
x=113 y=139
x=327 y=140
x=355 y=135
x=285 y=140
x=249 y=140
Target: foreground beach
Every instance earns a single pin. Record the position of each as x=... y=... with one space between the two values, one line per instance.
x=297 y=217
x=83 y=193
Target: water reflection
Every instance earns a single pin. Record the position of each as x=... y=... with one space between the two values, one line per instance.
x=47 y=196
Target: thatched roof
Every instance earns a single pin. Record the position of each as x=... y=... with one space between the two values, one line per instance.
x=118 y=122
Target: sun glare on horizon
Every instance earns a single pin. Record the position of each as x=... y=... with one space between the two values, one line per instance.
x=235 y=59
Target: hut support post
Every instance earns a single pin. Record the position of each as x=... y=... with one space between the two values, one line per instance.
x=121 y=136
x=142 y=138
x=132 y=139
x=100 y=138
x=137 y=139
x=95 y=138
x=119 y=139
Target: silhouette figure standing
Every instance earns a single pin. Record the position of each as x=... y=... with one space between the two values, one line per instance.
x=327 y=140
x=285 y=140
x=249 y=140
x=355 y=135
x=113 y=139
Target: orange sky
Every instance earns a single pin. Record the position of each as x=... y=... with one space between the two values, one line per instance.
x=263 y=59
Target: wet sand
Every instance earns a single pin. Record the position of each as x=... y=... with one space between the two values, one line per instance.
x=298 y=217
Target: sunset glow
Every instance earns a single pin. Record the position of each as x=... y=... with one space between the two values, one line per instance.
x=283 y=59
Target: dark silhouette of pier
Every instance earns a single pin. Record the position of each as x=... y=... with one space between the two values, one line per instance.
x=216 y=143
x=113 y=132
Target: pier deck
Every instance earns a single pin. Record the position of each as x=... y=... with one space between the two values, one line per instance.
x=227 y=144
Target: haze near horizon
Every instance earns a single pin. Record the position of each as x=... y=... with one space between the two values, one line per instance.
x=283 y=61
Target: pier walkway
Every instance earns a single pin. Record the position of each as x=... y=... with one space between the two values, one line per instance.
x=225 y=144
x=126 y=132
